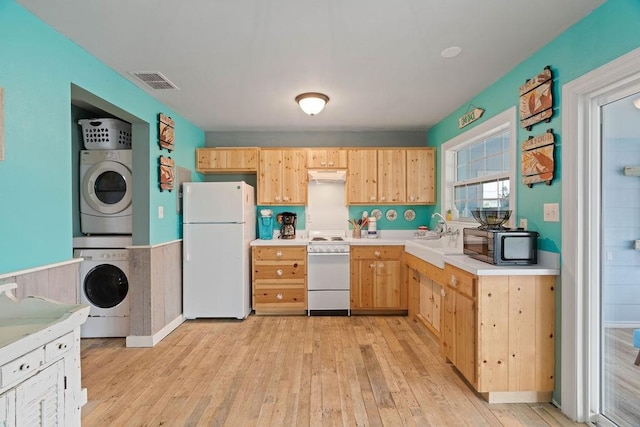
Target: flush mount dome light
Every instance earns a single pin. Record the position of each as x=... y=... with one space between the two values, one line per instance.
x=451 y=52
x=312 y=102
x=636 y=103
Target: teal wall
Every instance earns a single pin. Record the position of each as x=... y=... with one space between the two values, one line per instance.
x=605 y=34
x=38 y=67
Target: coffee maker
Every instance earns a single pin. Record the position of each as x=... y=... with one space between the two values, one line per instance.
x=287 y=222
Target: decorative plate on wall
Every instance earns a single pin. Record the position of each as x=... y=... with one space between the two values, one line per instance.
x=376 y=213
x=409 y=215
x=391 y=215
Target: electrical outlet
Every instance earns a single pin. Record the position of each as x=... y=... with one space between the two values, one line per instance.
x=523 y=223
x=160 y=212
x=636 y=245
x=552 y=212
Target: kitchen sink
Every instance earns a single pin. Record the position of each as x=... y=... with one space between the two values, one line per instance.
x=433 y=251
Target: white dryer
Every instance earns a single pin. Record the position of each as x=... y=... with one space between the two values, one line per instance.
x=105 y=191
x=104 y=287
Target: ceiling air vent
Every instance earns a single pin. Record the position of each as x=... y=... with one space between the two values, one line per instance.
x=154 y=80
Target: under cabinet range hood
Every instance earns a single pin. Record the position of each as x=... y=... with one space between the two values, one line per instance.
x=327 y=175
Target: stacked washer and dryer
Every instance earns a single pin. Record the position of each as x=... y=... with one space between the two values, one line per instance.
x=106 y=224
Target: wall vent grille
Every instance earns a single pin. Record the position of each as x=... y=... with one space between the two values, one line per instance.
x=154 y=80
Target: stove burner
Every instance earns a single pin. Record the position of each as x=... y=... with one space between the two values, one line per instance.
x=319 y=239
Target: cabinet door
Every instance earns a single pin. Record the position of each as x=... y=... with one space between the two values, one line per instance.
x=294 y=177
x=465 y=337
x=392 y=171
x=242 y=159
x=270 y=177
x=447 y=330
x=436 y=296
x=208 y=159
x=362 y=176
x=337 y=159
x=421 y=176
x=387 y=285
x=8 y=409
x=40 y=399
x=426 y=298
x=362 y=282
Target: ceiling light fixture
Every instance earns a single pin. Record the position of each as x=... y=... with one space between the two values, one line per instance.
x=312 y=102
x=636 y=103
x=451 y=52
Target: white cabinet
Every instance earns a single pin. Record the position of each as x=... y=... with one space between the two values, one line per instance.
x=39 y=401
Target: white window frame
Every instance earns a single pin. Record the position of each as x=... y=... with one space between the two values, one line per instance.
x=503 y=121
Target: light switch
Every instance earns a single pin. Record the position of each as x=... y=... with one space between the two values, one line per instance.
x=523 y=223
x=160 y=212
x=552 y=212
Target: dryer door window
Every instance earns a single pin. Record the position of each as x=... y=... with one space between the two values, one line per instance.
x=107 y=187
x=106 y=286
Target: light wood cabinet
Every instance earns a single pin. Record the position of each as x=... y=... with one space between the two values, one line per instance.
x=227 y=160
x=279 y=279
x=362 y=176
x=376 y=279
x=326 y=158
x=391 y=176
x=282 y=177
x=421 y=180
x=499 y=333
x=425 y=287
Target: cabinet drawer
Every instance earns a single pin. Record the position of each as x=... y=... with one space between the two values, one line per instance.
x=280 y=297
x=463 y=281
x=390 y=252
x=278 y=270
x=436 y=274
x=21 y=367
x=264 y=253
x=58 y=347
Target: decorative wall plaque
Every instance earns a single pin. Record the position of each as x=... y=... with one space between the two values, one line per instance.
x=166 y=170
x=166 y=132
x=536 y=99
x=470 y=117
x=537 y=159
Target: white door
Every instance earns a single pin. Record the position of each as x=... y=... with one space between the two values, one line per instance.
x=216 y=271
x=214 y=202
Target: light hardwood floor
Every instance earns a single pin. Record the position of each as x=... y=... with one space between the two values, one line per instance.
x=289 y=371
x=621 y=378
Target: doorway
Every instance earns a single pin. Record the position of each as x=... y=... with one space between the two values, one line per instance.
x=620 y=261
x=582 y=236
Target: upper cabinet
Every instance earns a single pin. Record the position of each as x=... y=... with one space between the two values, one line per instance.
x=421 y=179
x=391 y=176
x=227 y=160
x=326 y=158
x=282 y=176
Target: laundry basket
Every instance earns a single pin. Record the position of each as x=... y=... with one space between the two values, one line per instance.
x=105 y=134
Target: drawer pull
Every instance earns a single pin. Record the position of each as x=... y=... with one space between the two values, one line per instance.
x=372 y=266
x=25 y=367
x=279 y=253
x=62 y=346
x=454 y=280
x=279 y=272
x=443 y=292
x=279 y=296
x=377 y=253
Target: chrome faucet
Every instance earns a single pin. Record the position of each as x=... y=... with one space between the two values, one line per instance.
x=443 y=228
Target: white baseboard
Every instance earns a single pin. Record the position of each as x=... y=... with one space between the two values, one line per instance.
x=152 y=340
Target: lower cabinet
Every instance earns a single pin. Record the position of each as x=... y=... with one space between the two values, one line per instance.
x=425 y=287
x=376 y=279
x=279 y=279
x=40 y=399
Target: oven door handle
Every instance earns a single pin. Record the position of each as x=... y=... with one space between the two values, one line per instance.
x=328 y=253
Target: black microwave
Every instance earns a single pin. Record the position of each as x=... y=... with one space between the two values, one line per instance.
x=501 y=247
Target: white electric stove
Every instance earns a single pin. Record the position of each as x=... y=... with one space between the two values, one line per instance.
x=328 y=273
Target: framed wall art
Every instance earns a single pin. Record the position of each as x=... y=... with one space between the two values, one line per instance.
x=166 y=171
x=166 y=136
x=538 y=163
x=536 y=99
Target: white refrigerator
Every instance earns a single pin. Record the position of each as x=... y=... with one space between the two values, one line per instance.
x=219 y=222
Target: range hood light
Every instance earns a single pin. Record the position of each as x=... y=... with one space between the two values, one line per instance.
x=327 y=175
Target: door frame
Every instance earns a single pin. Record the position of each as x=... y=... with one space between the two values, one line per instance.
x=580 y=294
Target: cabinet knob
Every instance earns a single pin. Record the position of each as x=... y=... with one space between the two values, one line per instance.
x=454 y=280
x=383 y=198
x=279 y=253
x=62 y=346
x=443 y=292
x=412 y=198
x=285 y=198
x=277 y=198
x=323 y=163
x=373 y=198
x=279 y=272
x=279 y=296
x=372 y=266
x=25 y=367
x=330 y=162
x=380 y=265
x=377 y=253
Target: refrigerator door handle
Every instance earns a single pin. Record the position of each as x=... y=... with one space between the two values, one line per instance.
x=187 y=257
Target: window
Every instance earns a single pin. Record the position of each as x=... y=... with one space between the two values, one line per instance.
x=479 y=167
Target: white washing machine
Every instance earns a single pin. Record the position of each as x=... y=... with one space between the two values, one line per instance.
x=105 y=191
x=104 y=286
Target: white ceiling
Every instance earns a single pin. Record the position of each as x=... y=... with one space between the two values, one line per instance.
x=240 y=63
